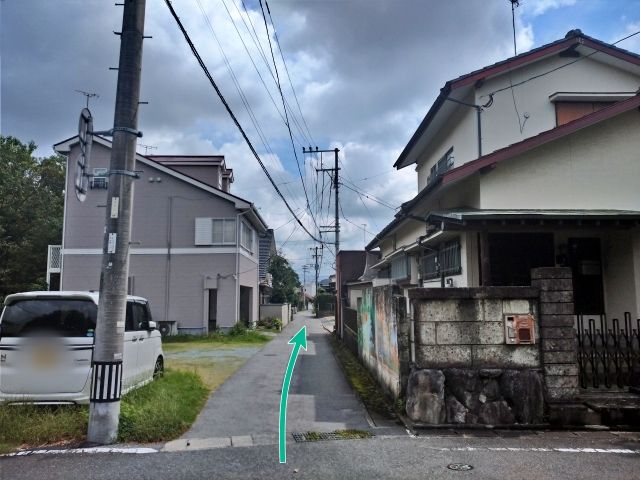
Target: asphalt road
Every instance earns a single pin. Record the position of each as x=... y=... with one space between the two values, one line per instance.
x=531 y=457
x=235 y=436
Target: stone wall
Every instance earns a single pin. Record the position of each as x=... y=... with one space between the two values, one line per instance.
x=469 y=396
x=463 y=370
x=464 y=327
x=558 y=336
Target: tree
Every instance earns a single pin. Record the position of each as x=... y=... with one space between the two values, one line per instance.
x=31 y=212
x=285 y=281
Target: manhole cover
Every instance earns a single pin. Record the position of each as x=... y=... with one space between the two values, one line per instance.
x=460 y=467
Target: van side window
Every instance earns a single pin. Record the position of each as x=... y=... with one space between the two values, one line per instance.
x=129 y=323
x=140 y=316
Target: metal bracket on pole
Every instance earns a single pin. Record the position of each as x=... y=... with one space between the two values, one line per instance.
x=129 y=173
x=109 y=133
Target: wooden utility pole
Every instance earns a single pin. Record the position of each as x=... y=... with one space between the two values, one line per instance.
x=106 y=387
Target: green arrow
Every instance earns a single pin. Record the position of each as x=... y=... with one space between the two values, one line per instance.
x=298 y=340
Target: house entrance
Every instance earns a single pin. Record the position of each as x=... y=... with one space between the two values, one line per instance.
x=584 y=257
x=246 y=294
x=213 y=309
x=513 y=255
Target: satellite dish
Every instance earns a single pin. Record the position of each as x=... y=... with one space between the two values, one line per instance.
x=85 y=135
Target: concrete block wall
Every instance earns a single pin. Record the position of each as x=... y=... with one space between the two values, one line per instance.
x=464 y=327
x=277 y=310
x=558 y=336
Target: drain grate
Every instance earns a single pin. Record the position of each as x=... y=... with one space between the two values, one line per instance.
x=301 y=437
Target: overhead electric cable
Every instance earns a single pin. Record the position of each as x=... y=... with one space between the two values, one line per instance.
x=233 y=117
x=286 y=115
x=370 y=197
x=243 y=98
x=275 y=34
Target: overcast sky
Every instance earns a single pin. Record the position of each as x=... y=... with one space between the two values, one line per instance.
x=365 y=73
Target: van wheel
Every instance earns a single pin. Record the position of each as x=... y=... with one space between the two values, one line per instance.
x=158 y=370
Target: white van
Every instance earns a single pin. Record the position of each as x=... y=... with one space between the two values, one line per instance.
x=46 y=346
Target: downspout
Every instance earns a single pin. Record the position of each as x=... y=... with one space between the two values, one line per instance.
x=167 y=282
x=238 y=215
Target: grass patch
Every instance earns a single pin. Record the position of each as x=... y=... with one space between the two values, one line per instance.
x=240 y=336
x=161 y=410
x=213 y=372
x=362 y=381
x=36 y=425
x=352 y=433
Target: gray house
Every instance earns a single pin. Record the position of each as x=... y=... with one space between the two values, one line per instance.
x=194 y=245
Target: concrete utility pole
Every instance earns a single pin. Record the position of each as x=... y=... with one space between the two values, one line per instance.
x=104 y=409
x=336 y=227
x=305 y=269
x=317 y=267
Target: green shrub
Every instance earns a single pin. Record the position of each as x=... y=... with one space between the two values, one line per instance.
x=273 y=323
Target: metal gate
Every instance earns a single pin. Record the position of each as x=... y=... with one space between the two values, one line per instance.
x=608 y=351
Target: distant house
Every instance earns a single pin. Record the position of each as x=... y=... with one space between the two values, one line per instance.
x=547 y=176
x=267 y=246
x=353 y=277
x=195 y=247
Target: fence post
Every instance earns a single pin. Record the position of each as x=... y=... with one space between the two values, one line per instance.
x=557 y=332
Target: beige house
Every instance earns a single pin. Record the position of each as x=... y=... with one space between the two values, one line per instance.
x=531 y=162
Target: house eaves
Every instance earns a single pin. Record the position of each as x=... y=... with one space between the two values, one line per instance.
x=64 y=147
x=490 y=160
x=459 y=87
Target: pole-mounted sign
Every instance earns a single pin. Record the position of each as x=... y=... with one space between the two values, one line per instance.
x=85 y=135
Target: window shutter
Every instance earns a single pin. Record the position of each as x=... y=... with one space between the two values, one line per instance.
x=204 y=231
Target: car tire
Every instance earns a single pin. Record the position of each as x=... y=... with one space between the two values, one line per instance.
x=158 y=369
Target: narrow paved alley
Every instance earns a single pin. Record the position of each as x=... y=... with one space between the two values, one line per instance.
x=320 y=398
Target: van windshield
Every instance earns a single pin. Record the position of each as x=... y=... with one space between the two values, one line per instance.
x=59 y=317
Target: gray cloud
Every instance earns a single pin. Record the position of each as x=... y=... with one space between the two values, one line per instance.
x=365 y=73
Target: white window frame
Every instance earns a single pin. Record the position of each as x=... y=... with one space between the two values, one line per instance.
x=205 y=227
x=249 y=246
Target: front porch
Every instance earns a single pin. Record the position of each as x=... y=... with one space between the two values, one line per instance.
x=601 y=249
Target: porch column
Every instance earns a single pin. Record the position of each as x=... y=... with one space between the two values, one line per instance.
x=557 y=332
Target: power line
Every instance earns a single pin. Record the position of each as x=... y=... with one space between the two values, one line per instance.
x=257 y=43
x=374 y=223
x=370 y=197
x=233 y=117
x=236 y=83
x=275 y=34
x=286 y=115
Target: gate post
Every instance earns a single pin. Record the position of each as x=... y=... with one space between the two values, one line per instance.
x=557 y=332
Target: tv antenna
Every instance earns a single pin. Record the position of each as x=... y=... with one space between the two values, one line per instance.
x=514 y=4
x=147 y=148
x=89 y=95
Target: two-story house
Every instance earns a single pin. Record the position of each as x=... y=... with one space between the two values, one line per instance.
x=194 y=245
x=532 y=161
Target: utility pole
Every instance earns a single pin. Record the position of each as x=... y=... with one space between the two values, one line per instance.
x=305 y=268
x=336 y=227
x=317 y=267
x=104 y=409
